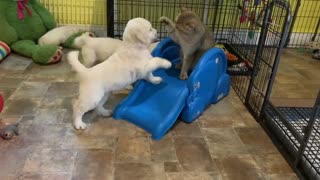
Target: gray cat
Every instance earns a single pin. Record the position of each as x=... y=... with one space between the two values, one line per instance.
x=191 y=34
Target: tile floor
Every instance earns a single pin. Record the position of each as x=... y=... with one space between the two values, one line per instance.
x=298 y=76
x=224 y=143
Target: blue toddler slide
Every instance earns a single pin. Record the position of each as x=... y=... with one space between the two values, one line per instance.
x=155 y=108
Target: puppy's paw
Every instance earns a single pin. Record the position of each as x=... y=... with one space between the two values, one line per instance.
x=105 y=112
x=164 y=20
x=156 y=80
x=79 y=125
x=130 y=87
x=166 y=64
x=183 y=76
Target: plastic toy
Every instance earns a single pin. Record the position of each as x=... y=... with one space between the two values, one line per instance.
x=9 y=131
x=241 y=67
x=316 y=54
x=314 y=48
x=256 y=17
x=231 y=57
x=4 y=50
x=245 y=9
x=252 y=20
x=155 y=108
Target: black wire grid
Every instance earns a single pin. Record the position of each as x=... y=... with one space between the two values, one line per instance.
x=124 y=10
x=298 y=130
x=261 y=49
x=305 y=23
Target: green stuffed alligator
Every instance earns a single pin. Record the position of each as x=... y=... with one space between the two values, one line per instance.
x=23 y=22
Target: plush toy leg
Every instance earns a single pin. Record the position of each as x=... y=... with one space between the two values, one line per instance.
x=45 y=15
x=46 y=54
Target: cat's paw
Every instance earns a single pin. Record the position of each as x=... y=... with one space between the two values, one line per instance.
x=183 y=76
x=164 y=20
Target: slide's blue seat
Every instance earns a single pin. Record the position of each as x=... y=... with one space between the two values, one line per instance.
x=155 y=108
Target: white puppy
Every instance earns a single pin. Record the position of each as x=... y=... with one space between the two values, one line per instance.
x=98 y=49
x=95 y=49
x=58 y=35
x=129 y=63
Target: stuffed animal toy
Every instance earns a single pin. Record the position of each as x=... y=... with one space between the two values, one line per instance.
x=4 y=50
x=23 y=22
x=9 y=131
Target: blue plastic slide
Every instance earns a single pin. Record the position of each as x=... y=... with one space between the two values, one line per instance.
x=155 y=108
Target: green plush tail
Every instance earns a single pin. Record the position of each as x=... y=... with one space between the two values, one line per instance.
x=70 y=41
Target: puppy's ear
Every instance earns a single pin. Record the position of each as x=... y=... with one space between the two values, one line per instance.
x=142 y=37
x=135 y=36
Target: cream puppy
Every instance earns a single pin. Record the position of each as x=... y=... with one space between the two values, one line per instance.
x=58 y=35
x=131 y=62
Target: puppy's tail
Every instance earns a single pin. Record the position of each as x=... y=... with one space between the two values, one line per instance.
x=73 y=59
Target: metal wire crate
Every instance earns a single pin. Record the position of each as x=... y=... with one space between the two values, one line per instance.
x=258 y=42
x=87 y=14
x=305 y=23
x=261 y=51
x=121 y=11
x=298 y=130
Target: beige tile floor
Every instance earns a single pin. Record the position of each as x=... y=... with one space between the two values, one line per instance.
x=298 y=76
x=224 y=143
